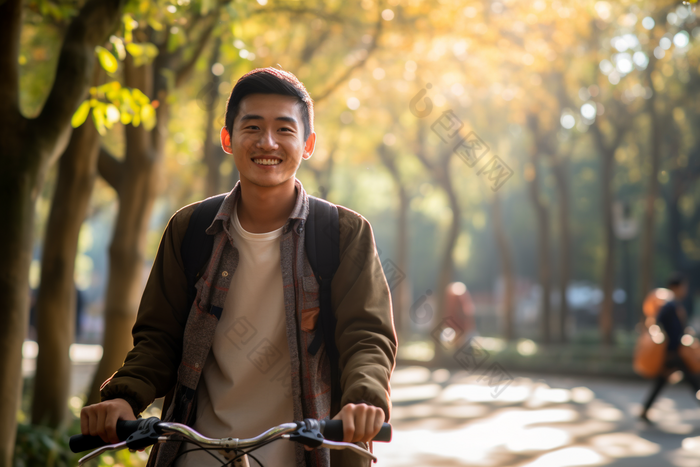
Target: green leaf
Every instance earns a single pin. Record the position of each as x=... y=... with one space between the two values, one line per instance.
x=107 y=60
x=80 y=115
x=148 y=117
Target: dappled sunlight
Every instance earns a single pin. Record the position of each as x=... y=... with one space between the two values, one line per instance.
x=624 y=445
x=539 y=439
x=410 y=375
x=569 y=457
x=532 y=423
x=603 y=411
x=415 y=393
x=482 y=393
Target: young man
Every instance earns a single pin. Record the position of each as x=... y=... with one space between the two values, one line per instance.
x=672 y=318
x=237 y=362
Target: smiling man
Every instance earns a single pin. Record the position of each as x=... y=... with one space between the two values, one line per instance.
x=235 y=360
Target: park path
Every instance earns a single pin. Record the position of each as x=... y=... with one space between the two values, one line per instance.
x=448 y=418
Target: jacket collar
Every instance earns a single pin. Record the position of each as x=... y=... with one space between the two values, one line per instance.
x=223 y=216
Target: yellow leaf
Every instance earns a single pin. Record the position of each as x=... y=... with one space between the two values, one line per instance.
x=80 y=115
x=134 y=49
x=148 y=116
x=125 y=118
x=99 y=117
x=155 y=24
x=107 y=60
x=136 y=119
x=140 y=97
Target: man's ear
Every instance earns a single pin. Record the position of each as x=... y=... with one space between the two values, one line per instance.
x=226 y=141
x=309 y=146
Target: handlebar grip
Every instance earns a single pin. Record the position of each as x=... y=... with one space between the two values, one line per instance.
x=333 y=431
x=80 y=443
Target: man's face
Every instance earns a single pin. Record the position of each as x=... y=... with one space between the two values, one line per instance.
x=268 y=139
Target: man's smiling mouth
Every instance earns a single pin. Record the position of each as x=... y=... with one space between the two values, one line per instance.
x=267 y=161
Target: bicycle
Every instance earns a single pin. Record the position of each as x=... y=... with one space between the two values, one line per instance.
x=139 y=434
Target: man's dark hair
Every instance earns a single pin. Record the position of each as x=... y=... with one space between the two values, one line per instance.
x=271 y=81
x=675 y=280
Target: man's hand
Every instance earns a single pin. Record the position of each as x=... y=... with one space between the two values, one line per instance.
x=361 y=422
x=101 y=419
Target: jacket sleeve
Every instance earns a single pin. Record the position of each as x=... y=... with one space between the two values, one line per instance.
x=365 y=334
x=150 y=368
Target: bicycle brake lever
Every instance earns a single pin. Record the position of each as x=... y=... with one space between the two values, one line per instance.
x=100 y=451
x=351 y=446
x=309 y=434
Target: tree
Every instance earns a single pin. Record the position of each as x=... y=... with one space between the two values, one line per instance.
x=56 y=301
x=28 y=147
x=401 y=294
x=506 y=269
x=137 y=180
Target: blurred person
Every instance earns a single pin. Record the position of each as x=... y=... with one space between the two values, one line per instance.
x=672 y=318
x=459 y=312
x=237 y=358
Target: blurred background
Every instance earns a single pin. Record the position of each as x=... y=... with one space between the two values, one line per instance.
x=529 y=169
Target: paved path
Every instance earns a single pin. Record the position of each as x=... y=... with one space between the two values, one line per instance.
x=444 y=418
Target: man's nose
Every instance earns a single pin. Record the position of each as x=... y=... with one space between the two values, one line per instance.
x=267 y=141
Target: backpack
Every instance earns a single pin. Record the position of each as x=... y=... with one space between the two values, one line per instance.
x=322 y=246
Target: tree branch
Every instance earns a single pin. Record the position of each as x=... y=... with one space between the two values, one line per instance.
x=96 y=20
x=183 y=73
x=375 y=39
x=110 y=168
x=10 y=26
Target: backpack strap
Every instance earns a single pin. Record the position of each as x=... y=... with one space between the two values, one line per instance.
x=322 y=243
x=197 y=245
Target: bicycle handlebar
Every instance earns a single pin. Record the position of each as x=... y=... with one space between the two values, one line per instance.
x=332 y=430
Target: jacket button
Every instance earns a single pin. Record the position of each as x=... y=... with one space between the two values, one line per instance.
x=196 y=365
x=225 y=273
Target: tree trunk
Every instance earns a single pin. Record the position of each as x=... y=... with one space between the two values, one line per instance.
x=447 y=263
x=647 y=243
x=440 y=170
x=27 y=149
x=400 y=293
x=137 y=180
x=560 y=171
x=213 y=154
x=607 y=160
x=543 y=237
x=606 y=309
x=56 y=299
x=506 y=269
x=137 y=183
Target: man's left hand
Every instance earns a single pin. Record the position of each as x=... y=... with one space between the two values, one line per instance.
x=361 y=422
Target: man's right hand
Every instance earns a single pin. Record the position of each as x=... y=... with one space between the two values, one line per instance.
x=101 y=419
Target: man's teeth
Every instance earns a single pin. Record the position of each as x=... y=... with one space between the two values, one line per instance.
x=267 y=161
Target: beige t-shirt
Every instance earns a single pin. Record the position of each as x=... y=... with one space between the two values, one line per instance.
x=245 y=387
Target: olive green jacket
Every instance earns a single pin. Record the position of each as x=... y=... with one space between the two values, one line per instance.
x=365 y=335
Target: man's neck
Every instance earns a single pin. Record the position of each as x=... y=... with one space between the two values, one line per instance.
x=264 y=209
